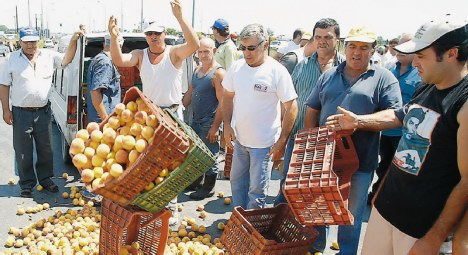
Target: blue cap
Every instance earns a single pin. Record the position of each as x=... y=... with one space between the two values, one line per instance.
x=28 y=34
x=220 y=24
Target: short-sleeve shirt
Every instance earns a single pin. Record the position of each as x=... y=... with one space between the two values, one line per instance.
x=226 y=54
x=258 y=93
x=103 y=76
x=30 y=83
x=289 y=47
x=375 y=90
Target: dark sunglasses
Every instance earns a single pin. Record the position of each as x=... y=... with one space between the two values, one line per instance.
x=150 y=33
x=249 y=48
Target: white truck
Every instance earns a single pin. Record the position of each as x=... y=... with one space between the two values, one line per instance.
x=68 y=96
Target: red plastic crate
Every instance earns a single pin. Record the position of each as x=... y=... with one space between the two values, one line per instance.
x=127 y=76
x=272 y=231
x=124 y=225
x=228 y=162
x=314 y=191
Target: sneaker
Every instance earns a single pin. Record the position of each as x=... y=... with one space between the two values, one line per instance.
x=446 y=247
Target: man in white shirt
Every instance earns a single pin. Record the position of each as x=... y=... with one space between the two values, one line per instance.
x=292 y=45
x=255 y=87
x=26 y=80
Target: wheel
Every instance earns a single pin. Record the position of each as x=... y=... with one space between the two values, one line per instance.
x=65 y=148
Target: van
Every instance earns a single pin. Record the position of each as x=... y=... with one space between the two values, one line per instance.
x=68 y=94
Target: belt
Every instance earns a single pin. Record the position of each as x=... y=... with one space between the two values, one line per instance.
x=32 y=109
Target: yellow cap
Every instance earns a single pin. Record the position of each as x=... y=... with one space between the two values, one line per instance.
x=361 y=34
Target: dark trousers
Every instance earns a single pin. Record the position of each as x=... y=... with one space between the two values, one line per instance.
x=388 y=146
x=29 y=128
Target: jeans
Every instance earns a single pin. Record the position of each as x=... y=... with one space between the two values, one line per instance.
x=287 y=160
x=250 y=176
x=202 y=128
x=33 y=129
x=348 y=236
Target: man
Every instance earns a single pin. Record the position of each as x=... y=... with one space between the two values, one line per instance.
x=226 y=52
x=160 y=66
x=292 y=58
x=326 y=38
x=389 y=59
x=417 y=208
x=409 y=80
x=26 y=80
x=255 y=86
x=103 y=91
x=204 y=93
x=292 y=45
x=365 y=88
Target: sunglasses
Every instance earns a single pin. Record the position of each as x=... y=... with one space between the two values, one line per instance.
x=150 y=33
x=249 y=48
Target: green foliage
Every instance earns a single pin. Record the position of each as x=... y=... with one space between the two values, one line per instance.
x=270 y=31
x=3 y=28
x=171 y=31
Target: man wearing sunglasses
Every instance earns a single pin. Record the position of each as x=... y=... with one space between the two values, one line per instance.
x=160 y=67
x=256 y=86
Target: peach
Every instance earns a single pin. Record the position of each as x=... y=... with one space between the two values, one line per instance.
x=96 y=160
x=98 y=171
x=152 y=121
x=92 y=126
x=140 y=117
x=105 y=176
x=158 y=180
x=132 y=156
x=102 y=150
x=126 y=115
x=121 y=156
x=77 y=146
x=118 y=143
x=87 y=175
x=89 y=152
x=147 y=132
x=125 y=130
x=109 y=163
x=96 y=136
x=135 y=129
x=83 y=134
x=139 y=101
x=88 y=164
x=114 y=122
x=143 y=107
x=108 y=135
x=132 y=106
x=116 y=170
x=110 y=155
x=140 y=145
x=94 y=145
x=150 y=186
x=119 y=108
x=128 y=142
x=96 y=182
x=79 y=160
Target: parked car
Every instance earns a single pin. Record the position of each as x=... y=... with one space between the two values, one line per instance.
x=48 y=43
x=4 y=50
x=275 y=45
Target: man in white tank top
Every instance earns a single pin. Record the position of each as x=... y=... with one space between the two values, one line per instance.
x=160 y=66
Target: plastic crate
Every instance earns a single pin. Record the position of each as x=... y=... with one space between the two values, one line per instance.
x=312 y=187
x=124 y=225
x=198 y=161
x=270 y=231
x=127 y=76
x=228 y=162
x=168 y=150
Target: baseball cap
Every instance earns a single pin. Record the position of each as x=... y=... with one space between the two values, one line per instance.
x=154 y=27
x=29 y=35
x=220 y=24
x=361 y=34
x=306 y=36
x=447 y=30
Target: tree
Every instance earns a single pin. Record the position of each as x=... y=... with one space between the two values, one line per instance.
x=171 y=31
x=270 y=31
x=3 y=28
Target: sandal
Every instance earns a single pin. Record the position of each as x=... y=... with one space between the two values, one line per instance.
x=26 y=193
x=50 y=186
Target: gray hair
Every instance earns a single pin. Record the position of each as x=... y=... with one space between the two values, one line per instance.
x=254 y=30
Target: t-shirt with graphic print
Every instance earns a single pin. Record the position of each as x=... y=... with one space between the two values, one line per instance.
x=424 y=170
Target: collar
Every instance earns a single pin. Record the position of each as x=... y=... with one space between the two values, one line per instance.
x=408 y=68
x=341 y=68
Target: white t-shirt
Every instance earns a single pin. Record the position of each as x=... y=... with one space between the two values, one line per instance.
x=258 y=92
x=30 y=85
x=290 y=47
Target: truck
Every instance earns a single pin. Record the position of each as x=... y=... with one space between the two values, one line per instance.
x=68 y=93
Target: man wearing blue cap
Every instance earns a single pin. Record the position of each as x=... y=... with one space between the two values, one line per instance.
x=226 y=52
x=26 y=81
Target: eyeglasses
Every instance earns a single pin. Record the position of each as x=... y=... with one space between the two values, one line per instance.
x=150 y=33
x=249 y=48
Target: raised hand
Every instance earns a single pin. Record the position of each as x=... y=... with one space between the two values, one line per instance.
x=176 y=8
x=113 y=26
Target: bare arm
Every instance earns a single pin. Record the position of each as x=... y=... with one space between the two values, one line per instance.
x=311 y=118
x=460 y=238
x=71 y=50
x=183 y=51
x=457 y=202
x=187 y=99
x=120 y=59
x=216 y=81
x=289 y=117
x=227 y=105
x=96 y=99
x=5 y=98
x=378 y=121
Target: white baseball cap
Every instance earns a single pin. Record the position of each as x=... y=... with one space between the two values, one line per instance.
x=154 y=27
x=447 y=30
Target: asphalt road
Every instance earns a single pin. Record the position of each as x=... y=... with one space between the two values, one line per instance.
x=10 y=200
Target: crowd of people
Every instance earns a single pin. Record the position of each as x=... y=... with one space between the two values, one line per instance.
x=414 y=90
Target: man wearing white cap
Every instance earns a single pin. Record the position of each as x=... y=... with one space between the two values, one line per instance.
x=356 y=85
x=424 y=195
x=26 y=80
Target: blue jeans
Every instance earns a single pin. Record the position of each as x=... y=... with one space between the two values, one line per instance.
x=250 y=176
x=348 y=236
x=202 y=129
x=33 y=129
x=287 y=160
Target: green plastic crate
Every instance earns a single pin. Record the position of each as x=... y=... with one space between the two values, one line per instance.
x=198 y=161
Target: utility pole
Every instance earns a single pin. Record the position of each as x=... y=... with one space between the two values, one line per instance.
x=42 y=21
x=16 y=21
x=193 y=14
x=29 y=14
x=121 y=16
x=141 y=17
x=36 y=22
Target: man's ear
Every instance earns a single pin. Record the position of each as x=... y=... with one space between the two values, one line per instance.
x=453 y=53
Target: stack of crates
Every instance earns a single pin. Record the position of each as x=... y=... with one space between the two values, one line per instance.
x=129 y=77
x=319 y=176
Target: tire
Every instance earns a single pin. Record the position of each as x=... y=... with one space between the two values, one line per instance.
x=65 y=148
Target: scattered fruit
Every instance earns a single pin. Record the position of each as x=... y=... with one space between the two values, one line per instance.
x=200 y=208
x=39 y=188
x=221 y=194
x=65 y=175
x=221 y=226
x=227 y=201
x=11 y=181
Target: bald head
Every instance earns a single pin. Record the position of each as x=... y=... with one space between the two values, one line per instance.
x=206 y=51
x=207 y=42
